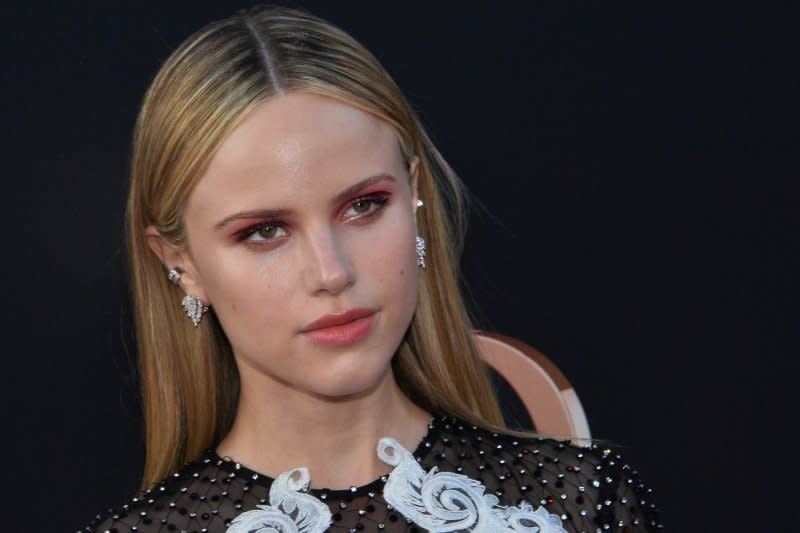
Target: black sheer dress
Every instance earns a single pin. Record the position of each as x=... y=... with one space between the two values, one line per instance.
x=571 y=488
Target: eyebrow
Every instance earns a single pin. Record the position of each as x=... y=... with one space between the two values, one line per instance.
x=274 y=213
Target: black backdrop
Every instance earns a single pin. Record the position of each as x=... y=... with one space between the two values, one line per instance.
x=632 y=221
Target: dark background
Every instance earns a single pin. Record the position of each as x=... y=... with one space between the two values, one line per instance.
x=634 y=221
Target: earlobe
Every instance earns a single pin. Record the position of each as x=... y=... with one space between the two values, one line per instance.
x=173 y=258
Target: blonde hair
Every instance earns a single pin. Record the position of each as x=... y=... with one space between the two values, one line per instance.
x=190 y=382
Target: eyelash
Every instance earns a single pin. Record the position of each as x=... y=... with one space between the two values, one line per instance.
x=379 y=200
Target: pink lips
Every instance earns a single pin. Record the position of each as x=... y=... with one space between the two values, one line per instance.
x=341 y=329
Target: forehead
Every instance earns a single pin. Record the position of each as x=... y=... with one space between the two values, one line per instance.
x=294 y=143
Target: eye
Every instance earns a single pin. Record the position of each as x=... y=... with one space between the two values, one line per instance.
x=365 y=206
x=265 y=232
x=361 y=206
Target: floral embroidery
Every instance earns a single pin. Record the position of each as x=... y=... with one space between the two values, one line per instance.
x=443 y=502
x=290 y=511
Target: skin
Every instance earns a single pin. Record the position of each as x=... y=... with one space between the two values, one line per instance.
x=302 y=403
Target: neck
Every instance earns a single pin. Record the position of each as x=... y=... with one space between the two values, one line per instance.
x=278 y=428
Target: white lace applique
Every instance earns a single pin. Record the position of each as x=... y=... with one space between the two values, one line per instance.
x=290 y=511
x=443 y=502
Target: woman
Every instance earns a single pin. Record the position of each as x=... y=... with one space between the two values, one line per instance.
x=297 y=306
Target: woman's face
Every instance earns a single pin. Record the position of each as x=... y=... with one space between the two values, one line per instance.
x=307 y=212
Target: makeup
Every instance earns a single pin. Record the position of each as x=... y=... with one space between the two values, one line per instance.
x=341 y=329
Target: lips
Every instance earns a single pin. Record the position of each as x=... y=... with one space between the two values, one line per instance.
x=338 y=319
x=341 y=329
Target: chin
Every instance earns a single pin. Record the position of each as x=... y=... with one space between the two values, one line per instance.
x=347 y=380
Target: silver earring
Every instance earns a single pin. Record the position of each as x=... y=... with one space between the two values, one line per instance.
x=194 y=308
x=420 y=252
x=420 y=203
x=174 y=275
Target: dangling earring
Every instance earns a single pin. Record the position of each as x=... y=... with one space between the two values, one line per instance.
x=194 y=308
x=420 y=245
x=420 y=252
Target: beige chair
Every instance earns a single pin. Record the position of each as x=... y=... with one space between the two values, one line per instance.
x=548 y=397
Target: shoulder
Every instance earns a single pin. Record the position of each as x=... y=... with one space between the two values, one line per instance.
x=188 y=500
x=591 y=486
x=507 y=448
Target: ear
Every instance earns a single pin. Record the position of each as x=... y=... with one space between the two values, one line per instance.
x=172 y=257
x=413 y=174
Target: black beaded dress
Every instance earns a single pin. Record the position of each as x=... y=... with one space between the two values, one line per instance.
x=582 y=489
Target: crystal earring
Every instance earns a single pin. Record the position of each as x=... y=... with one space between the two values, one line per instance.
x=174 y=275
x=194 y=308
x=420 y=252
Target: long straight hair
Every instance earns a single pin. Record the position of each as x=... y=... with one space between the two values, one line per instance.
x=189 y=379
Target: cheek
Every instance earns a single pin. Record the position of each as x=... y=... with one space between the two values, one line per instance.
x=247 y=292
x=390 y=263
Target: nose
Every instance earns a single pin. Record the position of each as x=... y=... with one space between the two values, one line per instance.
x=328 y=268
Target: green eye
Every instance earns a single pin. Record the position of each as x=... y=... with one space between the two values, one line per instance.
x=361 y=206
x=267 y=232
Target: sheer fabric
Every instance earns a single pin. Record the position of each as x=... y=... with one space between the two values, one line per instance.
x=590 y=489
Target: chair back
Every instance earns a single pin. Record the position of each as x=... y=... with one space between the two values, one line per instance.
x=546 y=393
